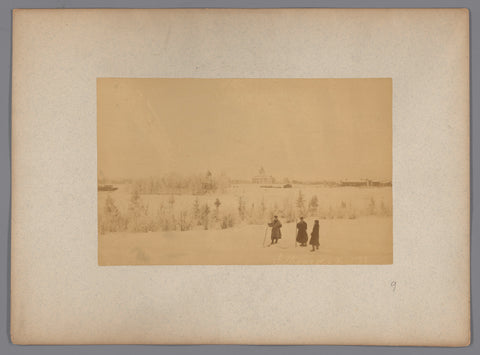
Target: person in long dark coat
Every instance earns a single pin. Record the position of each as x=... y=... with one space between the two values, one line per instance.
x=314 y=236
x=276 y=232
x=302 y=236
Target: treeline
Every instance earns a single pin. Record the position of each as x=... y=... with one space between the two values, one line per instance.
x=173 y=183
x=140 y=217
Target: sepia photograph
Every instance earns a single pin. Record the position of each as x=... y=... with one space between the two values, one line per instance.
x=244 y=171
x=292 y=176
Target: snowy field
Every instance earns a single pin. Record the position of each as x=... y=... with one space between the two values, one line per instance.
x=365 y=238
x=361 y=241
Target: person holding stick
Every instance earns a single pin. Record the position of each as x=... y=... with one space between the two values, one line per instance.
x=276 y=231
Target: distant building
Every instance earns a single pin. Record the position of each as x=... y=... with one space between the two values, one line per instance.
x=208 y=183
x=263 y=178
x=353 y=183
x=365 y=182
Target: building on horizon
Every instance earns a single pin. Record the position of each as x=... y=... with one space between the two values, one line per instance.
x=263 y=178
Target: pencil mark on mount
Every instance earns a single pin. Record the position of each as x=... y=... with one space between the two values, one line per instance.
x=244 y=171
x=393 y=284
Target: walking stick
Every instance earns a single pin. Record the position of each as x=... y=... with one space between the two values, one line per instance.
x=265 y=237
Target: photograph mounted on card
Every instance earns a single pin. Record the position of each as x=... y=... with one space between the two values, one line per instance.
x=234 y=176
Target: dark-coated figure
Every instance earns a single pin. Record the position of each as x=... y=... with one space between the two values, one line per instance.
x=314 y=236
x=302 y=236
x=276 y=231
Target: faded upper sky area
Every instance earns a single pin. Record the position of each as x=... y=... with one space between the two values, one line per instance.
x=295 y=128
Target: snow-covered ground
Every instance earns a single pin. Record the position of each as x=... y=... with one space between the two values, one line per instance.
x=365 y=240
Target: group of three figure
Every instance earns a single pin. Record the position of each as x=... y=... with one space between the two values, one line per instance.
x=302 y=236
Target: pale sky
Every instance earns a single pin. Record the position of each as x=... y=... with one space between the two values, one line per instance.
x=308 y=129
